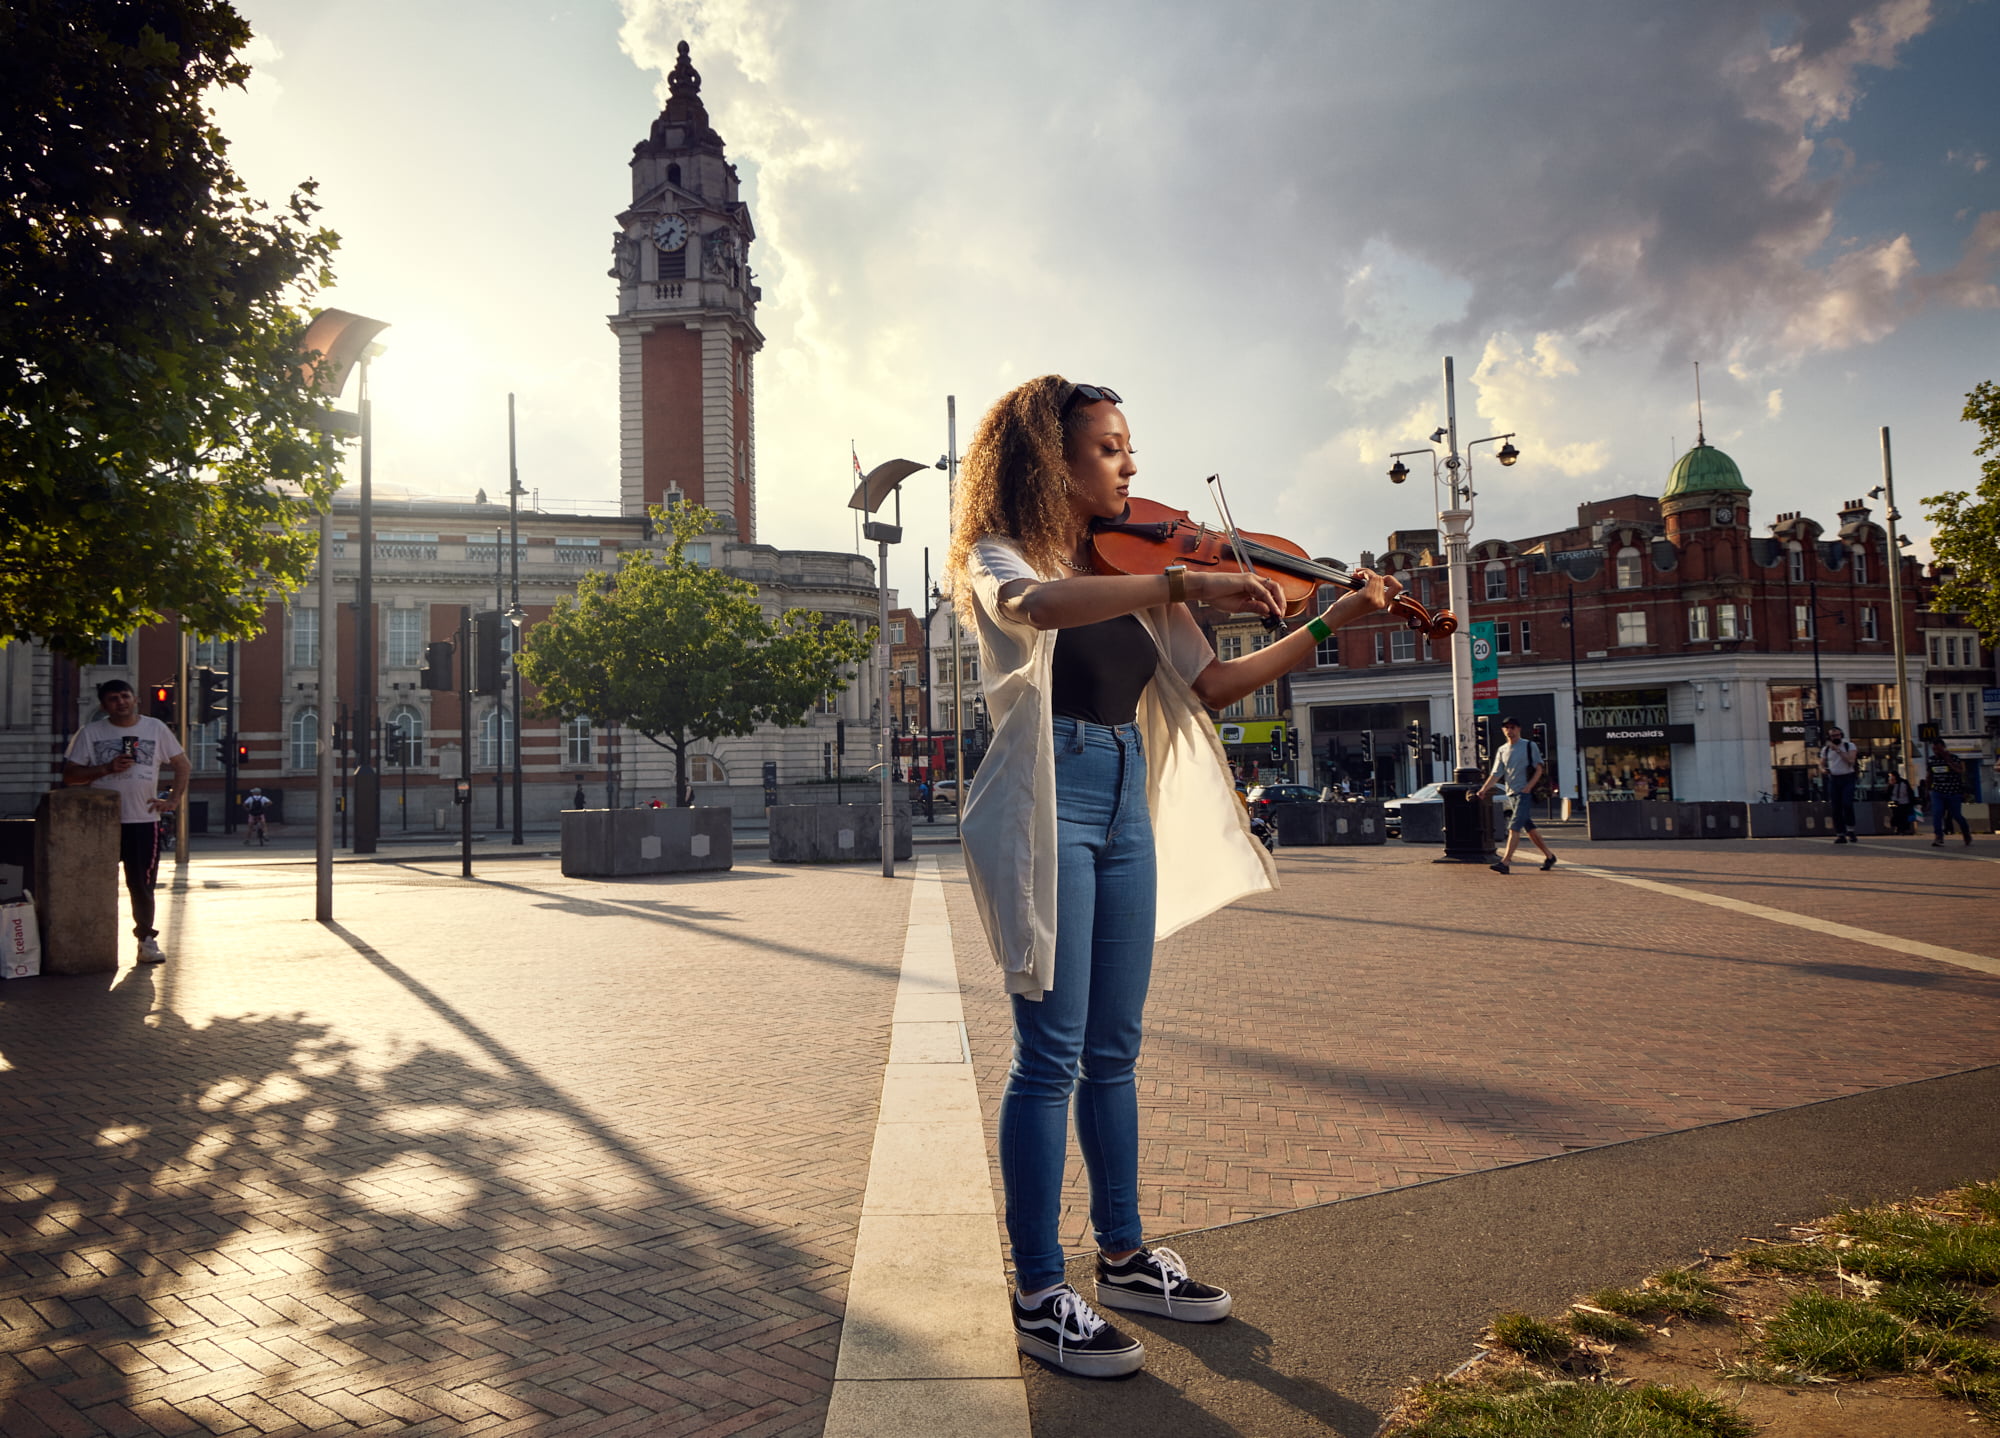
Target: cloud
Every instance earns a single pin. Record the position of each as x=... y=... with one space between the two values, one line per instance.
x=1973 y=160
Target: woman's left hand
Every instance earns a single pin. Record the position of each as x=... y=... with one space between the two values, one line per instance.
x=1378 y=591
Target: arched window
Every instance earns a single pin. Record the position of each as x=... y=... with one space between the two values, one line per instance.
x=673 y=174
x=1630 y=572
x=305 y=739
x=496 y=737
x=706 y=769
x=1496 y=580
x=576 y=741
x=406 y=726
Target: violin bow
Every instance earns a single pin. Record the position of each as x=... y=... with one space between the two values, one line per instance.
x=1271 y=621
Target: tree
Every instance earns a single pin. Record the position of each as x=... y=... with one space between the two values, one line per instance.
x=681 y=652
x=1968 y=525
x=155 y=444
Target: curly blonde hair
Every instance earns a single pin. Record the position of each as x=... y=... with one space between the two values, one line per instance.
x=1014 y=481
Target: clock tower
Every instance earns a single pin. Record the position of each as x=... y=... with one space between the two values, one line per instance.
x=686 y=320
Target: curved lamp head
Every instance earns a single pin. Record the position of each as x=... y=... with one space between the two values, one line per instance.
x=1508 y=454
x=340 y=339
x=880 y=482
x=1398 y=472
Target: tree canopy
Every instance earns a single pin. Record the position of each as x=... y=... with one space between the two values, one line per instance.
x=1968 y=524
x=155 y=443
x=681 y=652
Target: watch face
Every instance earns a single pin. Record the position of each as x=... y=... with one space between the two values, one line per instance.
x=1725 y=515
x=670 y=232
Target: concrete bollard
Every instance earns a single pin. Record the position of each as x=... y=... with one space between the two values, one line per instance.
x=834 y=833
x=619 y=843
x=76 y=880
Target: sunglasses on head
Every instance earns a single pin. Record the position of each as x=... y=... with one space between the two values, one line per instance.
x=1088 y=393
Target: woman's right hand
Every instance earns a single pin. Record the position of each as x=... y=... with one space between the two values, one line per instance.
x=1237 y=593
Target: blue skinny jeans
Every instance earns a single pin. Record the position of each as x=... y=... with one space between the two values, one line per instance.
x=1947 y=815
x=1082 y=1036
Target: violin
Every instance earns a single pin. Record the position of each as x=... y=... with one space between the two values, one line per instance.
x=1149 y=536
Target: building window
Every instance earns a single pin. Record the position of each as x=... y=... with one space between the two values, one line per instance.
x=1868 y=630
x=1632 y=627
x=1326 y=653
x=1229 y=646
x=1798 y=564
x=577 y=748
x=406 y=638
x=210 y=654
x=1503 y=638
x=1496 y=580
x=1725 y=622
x=1956 y=722
x=110 y=649
x=205 y=747
x=1526 y=647
x=305 y=737
x=1378 y=646
x=1524 y=586
x=1402 y=645
x=706 y=769
x=405 y=748
x=305 y=638
x=1698 y=623
x=496 y=737
x=895 y=631
x=1630 y=573
x=1802 y=621
x=1860 y=566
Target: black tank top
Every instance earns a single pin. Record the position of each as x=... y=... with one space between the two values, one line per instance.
x=1101 y=669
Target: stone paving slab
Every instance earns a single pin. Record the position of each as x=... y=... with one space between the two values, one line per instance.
x=1381 y=1021
x=528 y=1154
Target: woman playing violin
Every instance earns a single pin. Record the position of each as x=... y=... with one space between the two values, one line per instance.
x=1099 y=688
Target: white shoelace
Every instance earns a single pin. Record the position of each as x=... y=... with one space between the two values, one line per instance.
x=1071 y=1309
x=1173 y=1272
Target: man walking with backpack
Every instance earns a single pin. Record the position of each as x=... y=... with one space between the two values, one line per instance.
x=1518 y=765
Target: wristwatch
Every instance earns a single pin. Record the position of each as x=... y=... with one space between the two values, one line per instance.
x=1176 y=583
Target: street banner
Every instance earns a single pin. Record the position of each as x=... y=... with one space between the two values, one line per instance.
x=1485 y=671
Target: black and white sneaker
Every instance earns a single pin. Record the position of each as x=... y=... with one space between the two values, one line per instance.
x=1155 y=1280
x=1065 y=1333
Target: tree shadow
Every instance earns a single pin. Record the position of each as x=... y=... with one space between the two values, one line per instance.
x=246 y=1222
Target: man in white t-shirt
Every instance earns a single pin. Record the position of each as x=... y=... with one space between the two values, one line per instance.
x=123 y=752
x=1841 y=761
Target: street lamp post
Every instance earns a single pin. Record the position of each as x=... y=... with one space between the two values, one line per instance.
x=1454 y=520
x=875 y=487
x=1576 y=702
x=1906 y=749
x=515 y=614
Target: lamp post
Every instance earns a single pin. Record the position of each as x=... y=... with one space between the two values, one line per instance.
x=1906 y=749
x=332 y=344
x=876 y=486
x=1454 y=519
x=515 y=614
x=1576 y=702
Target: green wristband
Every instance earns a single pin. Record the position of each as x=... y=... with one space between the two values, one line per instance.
x=1318 y=628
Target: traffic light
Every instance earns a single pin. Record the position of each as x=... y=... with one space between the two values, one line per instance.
x=1277 y=745
x=1292 y=743
x=488 y=662
x=1415 y=737
x=214 y=695
x=840 y=736
x=436 y=673
x=163 y=703
x=242 y=754
x=1368 y=749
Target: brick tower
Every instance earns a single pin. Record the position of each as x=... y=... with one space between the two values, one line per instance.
x=686 y=321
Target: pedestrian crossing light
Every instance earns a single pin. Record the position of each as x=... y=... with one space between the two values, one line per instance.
x=214 y=695
x=163 y=703
x=436 y=673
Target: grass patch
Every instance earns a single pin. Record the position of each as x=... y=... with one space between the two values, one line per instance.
x=1983 y=1198
x=1980 y=1392
x=1531 y=1338
x=1934 y=1304
x=1792 y=1258
x=1541 y=1409
x=1675 y=1292
x=1897 y=1245
x=1753 y=1369
x=1848 y=1339
x=1605 y=1327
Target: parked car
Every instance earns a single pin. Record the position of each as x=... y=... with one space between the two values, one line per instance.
x=944 y=793
x=1392 y=809
x=1265 y=795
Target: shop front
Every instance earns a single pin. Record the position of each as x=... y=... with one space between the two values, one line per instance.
x=1628 y=744
x=1259 y=750
x=1366 y=746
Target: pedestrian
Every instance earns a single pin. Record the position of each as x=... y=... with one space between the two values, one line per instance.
x=1518 y=767
x=1902 y=804
x=579 y=800
x=1103 y=819
x=122 y=751
x=1947 y=782
x=1840 y=761
x=656 y=804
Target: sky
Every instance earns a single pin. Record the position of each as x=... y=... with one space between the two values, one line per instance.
x=1264 y=224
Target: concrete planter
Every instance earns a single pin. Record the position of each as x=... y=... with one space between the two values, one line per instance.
x=1640 y=819
x=1724 y=819
x=1355 y=824
x=618 y=843
x=1301 y=825
x=1423 y=823
x=834 y=833
x=1774 y=821
x=1816 y=819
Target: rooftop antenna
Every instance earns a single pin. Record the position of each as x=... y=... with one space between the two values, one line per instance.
x=1700 y=432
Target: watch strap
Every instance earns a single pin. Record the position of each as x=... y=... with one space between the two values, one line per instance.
x=1176 y=583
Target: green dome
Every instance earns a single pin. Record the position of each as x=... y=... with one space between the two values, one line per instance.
x=1704 y=470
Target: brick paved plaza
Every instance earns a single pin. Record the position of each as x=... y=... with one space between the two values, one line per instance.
x=539 y=1155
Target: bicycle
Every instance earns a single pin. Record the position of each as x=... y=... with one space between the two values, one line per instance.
x=256 y=827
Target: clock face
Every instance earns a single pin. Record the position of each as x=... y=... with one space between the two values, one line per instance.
x=1725 y=515
x=670 y=232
